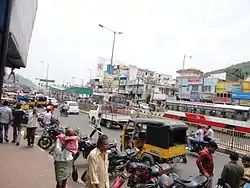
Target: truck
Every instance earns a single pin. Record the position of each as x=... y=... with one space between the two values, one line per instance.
x=111 y=116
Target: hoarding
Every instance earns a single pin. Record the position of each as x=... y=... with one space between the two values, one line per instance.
x=233 y=88
x=195 y=81
x=240 y=95
x=221 y=100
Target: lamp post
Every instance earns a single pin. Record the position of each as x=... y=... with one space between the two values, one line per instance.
x=90 y=74
x=183 y=67
x=47 y=74
x=73 y=81
x=113 y=45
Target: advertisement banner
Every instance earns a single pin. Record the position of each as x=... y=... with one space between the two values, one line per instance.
x=245 y=102
x=233 y=87
x=221 y=100
x=195 y=81
x=110 y=68
x=240 y=95
x=206 y=96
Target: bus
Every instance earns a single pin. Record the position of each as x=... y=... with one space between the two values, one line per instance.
x=217 y=115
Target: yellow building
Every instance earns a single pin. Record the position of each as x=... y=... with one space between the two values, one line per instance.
x=229 y=87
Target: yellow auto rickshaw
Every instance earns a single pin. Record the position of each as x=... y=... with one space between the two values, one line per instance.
x=159 y=140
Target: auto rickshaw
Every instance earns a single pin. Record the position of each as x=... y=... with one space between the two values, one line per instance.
x=159 y=140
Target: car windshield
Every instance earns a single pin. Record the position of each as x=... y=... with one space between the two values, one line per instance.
x=73 y=104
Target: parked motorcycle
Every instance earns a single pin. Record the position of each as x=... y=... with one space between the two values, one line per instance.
x=49 y=136
x=173 y=181
x=40 y=119
x=141 y=175
x=117 y=159
x=86 y=145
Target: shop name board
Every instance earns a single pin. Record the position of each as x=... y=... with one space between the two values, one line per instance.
x=240 y=95
x=195 y=81
x=233 y=88
x=245 y=102
x=220 y=100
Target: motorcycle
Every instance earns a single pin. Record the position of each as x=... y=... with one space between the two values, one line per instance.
x=86 y=145
x=118 y=158
x=64 y=113
x=40 y=119
x=141 y=175
x=49 y=136
x=199 y=146
x=173 y=181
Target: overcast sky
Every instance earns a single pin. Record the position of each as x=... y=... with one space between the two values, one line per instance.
x=156 y=35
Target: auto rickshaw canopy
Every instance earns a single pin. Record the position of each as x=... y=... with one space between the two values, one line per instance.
x=161 y=133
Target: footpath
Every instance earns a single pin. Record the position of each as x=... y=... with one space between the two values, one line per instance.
x=22 y=167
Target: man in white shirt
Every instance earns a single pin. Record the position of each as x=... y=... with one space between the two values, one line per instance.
x=209 y=136
x=47 y=118
x=5 y=120
x=199 y=137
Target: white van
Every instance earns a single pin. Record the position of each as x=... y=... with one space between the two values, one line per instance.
x=73 y=107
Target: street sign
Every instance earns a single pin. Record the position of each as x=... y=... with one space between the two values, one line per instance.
x=44 y=80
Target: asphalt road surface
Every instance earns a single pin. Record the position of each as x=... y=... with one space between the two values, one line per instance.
x=183 y=170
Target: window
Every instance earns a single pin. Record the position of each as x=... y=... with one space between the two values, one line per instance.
x=95 y=108
x=194 y=88
x=206 y=89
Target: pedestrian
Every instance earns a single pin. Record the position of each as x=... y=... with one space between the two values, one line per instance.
x=47 y=117
x=97 y=126
x=205 y=162
x=5 y=120
x=209 y=136
x=31 y=127
x=246 y=178
x=232 y=172
x=65 y=148
x=18 y=118
x=97 y=172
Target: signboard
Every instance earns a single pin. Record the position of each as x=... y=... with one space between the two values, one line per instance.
x=44 y=80
x=220 y=100
x=233 y=88
x=195 y=81
x=110 y=68
x=245 y=102
x=240 y=95
x=206 y=96
x=139 y=74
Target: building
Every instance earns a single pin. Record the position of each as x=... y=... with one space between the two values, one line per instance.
x=135 y=82
x=194 y=86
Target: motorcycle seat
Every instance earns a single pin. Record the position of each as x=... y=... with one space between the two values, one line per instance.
x=194 y=182
x=138 y=165
x=204 y=142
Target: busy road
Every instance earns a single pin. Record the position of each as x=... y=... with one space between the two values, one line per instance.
x=184 y=170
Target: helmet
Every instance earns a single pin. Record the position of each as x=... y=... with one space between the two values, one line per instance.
x=49 y=108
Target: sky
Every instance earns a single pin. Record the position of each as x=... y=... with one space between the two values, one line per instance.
x=156 y=35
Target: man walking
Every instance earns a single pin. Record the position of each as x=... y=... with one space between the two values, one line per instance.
x=205 y=162
x=47 y=117
x=97 y=171
x=232 y=172
x=5 y=120
x=18 y=116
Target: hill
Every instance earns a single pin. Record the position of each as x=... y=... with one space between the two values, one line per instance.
x=244 y=67
x=20 y=80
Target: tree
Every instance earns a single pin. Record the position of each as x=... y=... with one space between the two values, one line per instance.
x=235 y=72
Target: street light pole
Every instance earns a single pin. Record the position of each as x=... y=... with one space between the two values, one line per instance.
x=113 y=46
x=90 y=74
x=182 y=72
x=47 y=76
x=73 y=81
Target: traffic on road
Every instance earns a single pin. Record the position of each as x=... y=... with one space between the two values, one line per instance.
x=144 y=152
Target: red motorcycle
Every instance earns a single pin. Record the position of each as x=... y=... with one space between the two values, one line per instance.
x=141 y=175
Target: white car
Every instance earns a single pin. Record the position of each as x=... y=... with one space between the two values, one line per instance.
x=73 y=107
x=54 y=102
x=144 y=106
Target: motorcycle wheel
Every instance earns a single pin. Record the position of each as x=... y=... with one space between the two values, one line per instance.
x=45 y=142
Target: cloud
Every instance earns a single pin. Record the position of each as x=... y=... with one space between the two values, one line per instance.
x=156 y=35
